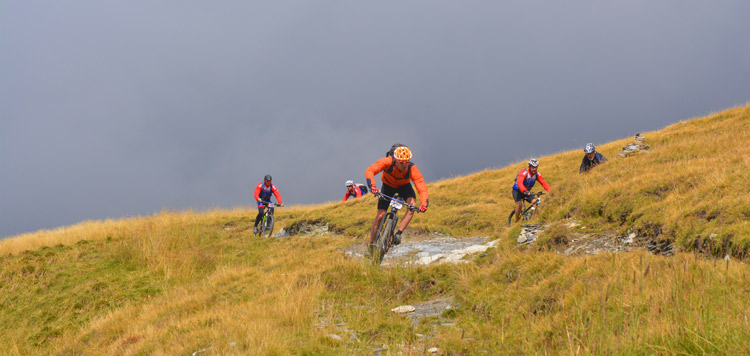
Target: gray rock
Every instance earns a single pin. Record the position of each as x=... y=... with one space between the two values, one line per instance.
x=335 y=337
x=281 y=233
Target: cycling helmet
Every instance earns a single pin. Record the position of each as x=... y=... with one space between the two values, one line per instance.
x=349 y=183
x=267 y=177
x=402 y=154
x=589 y=148
x=533 y=162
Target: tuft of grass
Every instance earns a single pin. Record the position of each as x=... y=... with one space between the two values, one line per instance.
x=556 y=234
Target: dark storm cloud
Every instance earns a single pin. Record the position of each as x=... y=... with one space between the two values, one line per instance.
x=117 y=109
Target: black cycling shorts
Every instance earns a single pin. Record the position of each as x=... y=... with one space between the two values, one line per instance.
x=405 y=192
x=518 y=196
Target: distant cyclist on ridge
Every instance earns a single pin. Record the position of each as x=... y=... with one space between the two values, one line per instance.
x=398 y=171
x=262 y=195
x=525 y=180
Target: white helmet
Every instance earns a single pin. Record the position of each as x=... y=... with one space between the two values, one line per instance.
x=533 y=163
x=589 y=148
x=349 y=183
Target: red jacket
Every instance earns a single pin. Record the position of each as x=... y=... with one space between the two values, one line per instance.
x=357 y=193
x=261 y=191
x=525 y=182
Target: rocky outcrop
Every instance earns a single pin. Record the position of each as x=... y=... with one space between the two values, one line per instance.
x=638 y=146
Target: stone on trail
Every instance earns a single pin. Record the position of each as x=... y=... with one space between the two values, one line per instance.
x=403 y=309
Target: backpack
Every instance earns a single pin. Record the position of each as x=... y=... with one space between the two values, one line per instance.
x=393 y=149
x=362 y=188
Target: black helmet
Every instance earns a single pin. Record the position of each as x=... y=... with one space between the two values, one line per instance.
x=589 y=148
x=267 y=177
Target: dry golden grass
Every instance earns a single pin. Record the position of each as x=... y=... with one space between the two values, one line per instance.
x=235 y=310
x=181 y=282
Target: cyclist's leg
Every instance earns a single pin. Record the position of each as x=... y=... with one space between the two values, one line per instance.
x=406 y=192
x=518 y=197
x=407 y=217
x=533 y=203
x=261 y=209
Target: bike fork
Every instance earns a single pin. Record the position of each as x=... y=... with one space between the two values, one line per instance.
x=393 y=230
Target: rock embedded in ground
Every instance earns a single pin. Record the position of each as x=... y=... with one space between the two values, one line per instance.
x=403 y=309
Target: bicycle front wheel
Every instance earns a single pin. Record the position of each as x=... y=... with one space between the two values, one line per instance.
x=383 y=239
x=260 y=228
x=529 y=213
x=268 y=226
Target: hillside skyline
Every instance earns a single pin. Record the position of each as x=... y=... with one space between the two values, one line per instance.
x=116 y=110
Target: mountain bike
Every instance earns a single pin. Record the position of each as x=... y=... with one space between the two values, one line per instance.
x=387 y=229
x=266 y=223
x=527 y=212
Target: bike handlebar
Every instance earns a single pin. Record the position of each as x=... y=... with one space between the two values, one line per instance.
x=408 y=206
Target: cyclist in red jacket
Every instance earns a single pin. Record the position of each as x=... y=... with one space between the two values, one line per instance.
x=525 y=180
x=262 y=196
x=354 y=190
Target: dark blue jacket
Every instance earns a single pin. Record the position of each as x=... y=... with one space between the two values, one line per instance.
x=590 y=163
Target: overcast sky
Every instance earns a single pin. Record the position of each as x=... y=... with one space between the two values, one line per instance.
x=123 y=108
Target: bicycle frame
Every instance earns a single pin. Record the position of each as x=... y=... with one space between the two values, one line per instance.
x=386 y=230
x=264 y=221
x=527 y=212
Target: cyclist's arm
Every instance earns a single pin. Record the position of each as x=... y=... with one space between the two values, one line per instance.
x=277 y=194
x=257 y=192
x=519 y=181
x=543 y=182
x=583 y=165
x=346 y=197
x=377 y=167
x=418 y=179
x=602 y=159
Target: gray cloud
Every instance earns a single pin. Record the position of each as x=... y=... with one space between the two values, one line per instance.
x=117 y=109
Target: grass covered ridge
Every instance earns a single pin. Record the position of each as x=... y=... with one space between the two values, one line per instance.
x=179 y=282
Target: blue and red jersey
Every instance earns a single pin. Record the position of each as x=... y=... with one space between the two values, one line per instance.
x=525 y=181
x=263 y=193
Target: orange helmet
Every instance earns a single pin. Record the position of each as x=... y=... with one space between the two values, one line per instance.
x=402 y=153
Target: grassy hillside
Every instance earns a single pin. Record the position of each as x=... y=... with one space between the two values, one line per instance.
x=180 y=282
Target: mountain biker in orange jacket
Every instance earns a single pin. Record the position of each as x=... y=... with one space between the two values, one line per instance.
x=262 y=196
x=398 y=171
x=525 y=180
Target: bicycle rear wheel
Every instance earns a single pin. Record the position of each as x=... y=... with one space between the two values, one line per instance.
x=268 y=226
x=382 y=243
